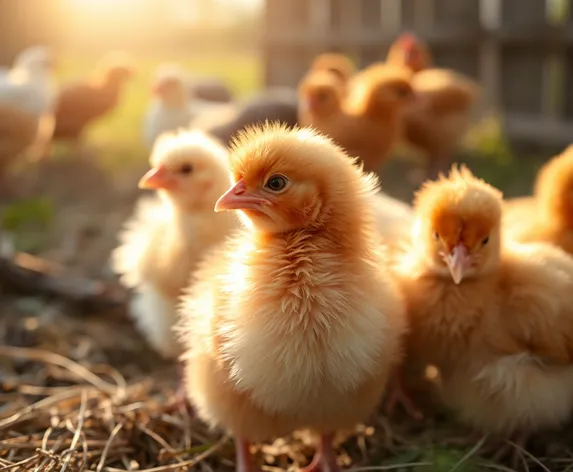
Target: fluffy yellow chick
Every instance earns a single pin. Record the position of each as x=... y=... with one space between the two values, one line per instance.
x=167 y=236
x=494 y=316
x=296 y=321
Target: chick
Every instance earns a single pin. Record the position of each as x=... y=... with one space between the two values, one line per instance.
x=409 y=51
x=294 y=322
x=320 y=98
x=548 y=215
x=167 y=236
x=170 y=109
x=82 y=102
x=336 y=63
x=363 y=117
x=376 y=100
x=439 y=117
x=494 y=316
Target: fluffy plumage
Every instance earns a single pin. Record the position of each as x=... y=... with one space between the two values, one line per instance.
x=394 y=219
x=494 y=316
x=303 y=288
x=547 y=216
x=167 y=236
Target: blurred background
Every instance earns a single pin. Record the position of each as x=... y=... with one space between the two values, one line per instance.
x=519 y=51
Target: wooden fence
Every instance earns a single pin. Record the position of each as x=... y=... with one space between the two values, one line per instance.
x=520 y=50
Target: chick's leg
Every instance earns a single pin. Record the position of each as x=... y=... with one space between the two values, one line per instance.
x=325 y=458
x=399 y=395
x=244 y=458
x=180 y=400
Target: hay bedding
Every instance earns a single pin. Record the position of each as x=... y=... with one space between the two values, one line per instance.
x=85 y=393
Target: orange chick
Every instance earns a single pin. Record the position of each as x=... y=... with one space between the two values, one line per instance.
x=376 y=101
x=494 y=316
x=441 y=114
x=295 y=322
x=547 y=216
x=336 y=63
x=82 y=102
x=320 y=98
x=365 y=121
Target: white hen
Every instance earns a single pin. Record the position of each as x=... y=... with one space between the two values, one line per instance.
x=27 y=98
x=167 y=236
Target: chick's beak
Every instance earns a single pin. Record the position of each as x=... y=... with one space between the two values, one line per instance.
x=458 y=262
x=158 y=178
x=239 y=198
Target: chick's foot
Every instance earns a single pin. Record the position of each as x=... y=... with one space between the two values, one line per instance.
x=325 y=459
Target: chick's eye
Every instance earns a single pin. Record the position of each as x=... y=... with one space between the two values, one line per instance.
x=485 y=240
x=436 y=235
x=276 y=183
x=186 y=169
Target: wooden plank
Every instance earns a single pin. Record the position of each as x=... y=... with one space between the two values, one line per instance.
x=461 y=59
x=523 y=12
x=408 y=13
x=522 y=72
x=371 y=14
x=533 y=129
x=568 y=86
x=286 y=65
x=454 y=16
x=463 y=13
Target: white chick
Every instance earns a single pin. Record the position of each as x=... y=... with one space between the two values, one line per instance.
x=173 y=106
x=167 y=236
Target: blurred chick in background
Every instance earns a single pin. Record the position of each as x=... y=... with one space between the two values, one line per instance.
x=336 y=63
x=82 y=102
x=320 y=100
x=377 y=97
x=168 y=234
x=547 y=216
x=170 y=108
x=210 y=89
x=494 y=316
x=27 y=93
x=278 y=104
x=441 y=114
x=294 y=322
x=174 y=107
